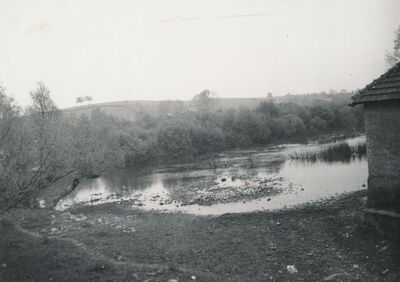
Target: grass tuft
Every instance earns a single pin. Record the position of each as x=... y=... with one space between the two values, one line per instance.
x=336 y=152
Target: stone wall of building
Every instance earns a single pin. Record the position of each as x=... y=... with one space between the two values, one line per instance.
x=382 y=126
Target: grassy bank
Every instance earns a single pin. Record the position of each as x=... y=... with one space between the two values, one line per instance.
x=323 y=241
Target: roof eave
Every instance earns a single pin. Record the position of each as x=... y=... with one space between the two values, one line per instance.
x=358 y=98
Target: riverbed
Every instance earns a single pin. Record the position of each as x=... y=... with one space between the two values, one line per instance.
x=236 y=181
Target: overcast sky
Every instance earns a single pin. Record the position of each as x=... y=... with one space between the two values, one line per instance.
x=167 y=49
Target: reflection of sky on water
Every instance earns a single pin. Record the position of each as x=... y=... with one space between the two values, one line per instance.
x=319 y=180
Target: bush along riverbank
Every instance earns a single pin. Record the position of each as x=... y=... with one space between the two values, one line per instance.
x=328 y=241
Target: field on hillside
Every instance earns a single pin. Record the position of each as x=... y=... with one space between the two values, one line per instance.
x=130 y=110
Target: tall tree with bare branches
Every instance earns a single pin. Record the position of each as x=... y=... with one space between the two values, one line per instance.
x=394 y=57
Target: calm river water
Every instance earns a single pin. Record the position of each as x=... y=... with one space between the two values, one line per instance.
x=318 y=180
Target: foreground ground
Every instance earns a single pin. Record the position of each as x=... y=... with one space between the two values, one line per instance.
x=112 y=242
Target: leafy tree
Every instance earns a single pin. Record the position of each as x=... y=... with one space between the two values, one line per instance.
x=174 y=139
x=268 y=108
x=95 y=143
x=45 y=123
x=170 y=107
x=8 y=114
x=264 y=133
x=204 y=101
x=318 y=125
x=9 y=125
x=33 y=153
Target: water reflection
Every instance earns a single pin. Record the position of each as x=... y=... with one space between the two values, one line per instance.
x=148 y=186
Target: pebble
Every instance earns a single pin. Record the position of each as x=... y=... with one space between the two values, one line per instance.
x=292 y=269
x=385 y=271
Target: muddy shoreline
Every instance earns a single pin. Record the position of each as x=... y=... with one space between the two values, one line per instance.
x=113 y=242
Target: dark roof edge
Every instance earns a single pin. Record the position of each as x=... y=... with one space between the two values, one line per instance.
x=373 y=98
x=358 y=97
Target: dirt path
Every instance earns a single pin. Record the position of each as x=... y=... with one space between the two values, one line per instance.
x=113 y=242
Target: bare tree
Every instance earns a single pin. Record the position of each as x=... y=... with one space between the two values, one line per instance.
x=394 y=57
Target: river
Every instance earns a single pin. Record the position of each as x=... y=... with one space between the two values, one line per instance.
x=150 y=187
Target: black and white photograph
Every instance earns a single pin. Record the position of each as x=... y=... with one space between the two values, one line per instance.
x=199 y=140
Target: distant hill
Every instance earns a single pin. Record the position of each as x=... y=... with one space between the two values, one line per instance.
x=129 y=110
